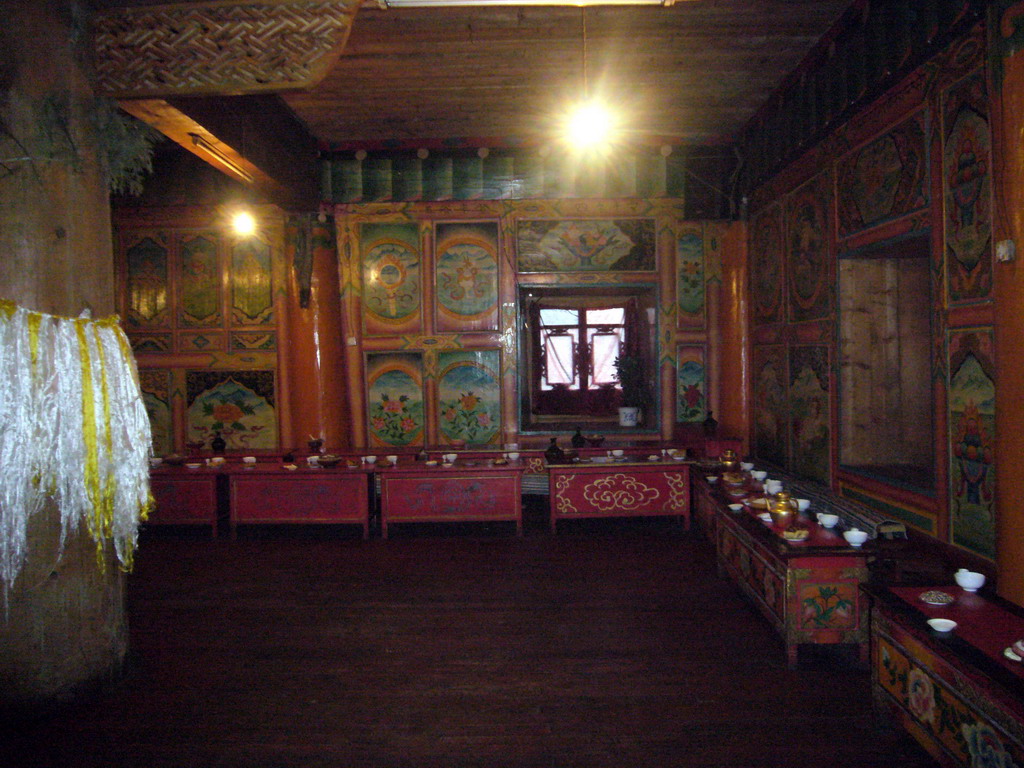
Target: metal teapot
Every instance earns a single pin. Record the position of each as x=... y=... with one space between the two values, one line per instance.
x=782 y=508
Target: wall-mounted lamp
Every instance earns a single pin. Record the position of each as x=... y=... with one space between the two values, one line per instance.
x=244 y=223
x=201 y=143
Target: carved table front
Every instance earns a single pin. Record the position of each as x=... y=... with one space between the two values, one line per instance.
x=620 y=489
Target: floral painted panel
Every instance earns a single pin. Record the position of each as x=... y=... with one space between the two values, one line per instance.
x=394 y=384
x=469 y=396
x=238 y=404
x=972 y=422
x=967 y=184
x=766 y=261
x=156 y=396
x=252 y=300
x=691 y=384
x=810 y=424
x=391 y=267
x=466 y=276
x=582 y=245
x=147 y=282
x=690 y=278
x=945 y=715
x=770 y=405
x=885 y=179
x=809 y=261
x=200 y=281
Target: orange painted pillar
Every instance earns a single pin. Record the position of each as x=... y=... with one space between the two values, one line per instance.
x=733 y=412
x=1007 y=91
x=316 y=367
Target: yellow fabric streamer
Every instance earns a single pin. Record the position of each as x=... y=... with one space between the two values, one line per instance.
x=73 y=427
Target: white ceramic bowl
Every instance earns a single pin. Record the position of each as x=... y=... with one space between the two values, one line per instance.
x=712 y=479
x=513 y=455
x=735 y=507
x=942 y=625
x=759 y=474
x=193 y=465
x=855 y=537
x=617 y=452
x=393 y=458
x=971 y=581
x=370 y=459
x=803 y=504
x=248 y=459
x=449 y=458
x=746 y=466
x=828 y=520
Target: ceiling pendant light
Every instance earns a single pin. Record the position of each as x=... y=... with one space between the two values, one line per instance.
x=589 y=125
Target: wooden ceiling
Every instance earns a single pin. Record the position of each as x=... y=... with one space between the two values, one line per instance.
x=693 y=72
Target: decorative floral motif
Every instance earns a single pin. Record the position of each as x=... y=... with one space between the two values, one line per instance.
x=921 y=696
x=985 y=747
x=820 y=610
x=393 y=419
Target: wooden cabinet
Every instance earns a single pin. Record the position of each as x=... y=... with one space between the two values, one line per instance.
x=184 y=497
x=276 y=495
x=620 y=489
x=809 y=590
x=467 y=491
x=955 y=692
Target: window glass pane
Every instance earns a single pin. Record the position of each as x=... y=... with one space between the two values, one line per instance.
x=610 y=316
x=604 y=348
x=554 y=316
x=559 y=368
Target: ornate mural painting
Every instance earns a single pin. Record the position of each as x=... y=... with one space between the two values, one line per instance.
x=147 y=282
x=766 y=265
x=582 y=245
x=690 y=278
x=394 y=390
x=469 y=396
x=967 y=182
x=971 y=397
x=238 y=404
x=886 y=179
x=466 y=276
x=691 y=384
x=199 y=282
x=391 y=267
x=156 y=395
x=771 y=422
x=252 y=299
x=810 y=269
x=809 y=411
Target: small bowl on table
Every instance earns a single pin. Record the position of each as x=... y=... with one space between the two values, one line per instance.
x=855 y=537
x=736 y=507
x=802 y=505
x=759 y=475
x=329 y=460
x=828 y=520
x=969 y=581
x=942 y=625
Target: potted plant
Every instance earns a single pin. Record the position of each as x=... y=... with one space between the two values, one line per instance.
x=632 y=377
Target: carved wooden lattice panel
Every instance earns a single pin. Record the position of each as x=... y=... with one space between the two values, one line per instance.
x=216 y=48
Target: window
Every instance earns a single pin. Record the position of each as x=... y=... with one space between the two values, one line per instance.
x=569 y=340
x=579 y=346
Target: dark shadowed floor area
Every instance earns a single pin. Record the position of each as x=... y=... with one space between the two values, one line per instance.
x=610 y=645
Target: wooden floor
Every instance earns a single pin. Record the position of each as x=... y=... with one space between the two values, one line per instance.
x=610 y=645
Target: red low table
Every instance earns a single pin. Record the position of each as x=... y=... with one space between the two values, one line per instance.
x=468 y=490
x=627 y=488
x=269 y=493
x=184 y=496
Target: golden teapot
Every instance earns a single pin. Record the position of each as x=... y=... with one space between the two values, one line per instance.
x=729 y=461
x=782 y=508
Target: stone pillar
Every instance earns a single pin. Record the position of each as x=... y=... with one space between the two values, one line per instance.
x=65 y=628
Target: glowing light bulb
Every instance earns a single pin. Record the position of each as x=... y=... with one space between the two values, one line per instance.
x=244 y=223
x=589 y=125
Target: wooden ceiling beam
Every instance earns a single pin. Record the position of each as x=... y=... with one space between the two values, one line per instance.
x=166 y=63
